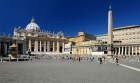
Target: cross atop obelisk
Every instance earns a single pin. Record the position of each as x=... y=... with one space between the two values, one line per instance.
x=110 y=34
x=109 y=6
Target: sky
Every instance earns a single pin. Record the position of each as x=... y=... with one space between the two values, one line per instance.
x=68 y=16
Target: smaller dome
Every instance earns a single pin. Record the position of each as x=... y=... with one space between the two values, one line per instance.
x=33 y=26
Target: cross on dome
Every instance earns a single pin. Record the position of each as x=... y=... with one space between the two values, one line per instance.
x=33 y=20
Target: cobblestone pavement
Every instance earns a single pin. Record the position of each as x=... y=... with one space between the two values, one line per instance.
x=55 y=71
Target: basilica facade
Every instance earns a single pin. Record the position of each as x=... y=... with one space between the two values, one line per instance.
x=32 y=39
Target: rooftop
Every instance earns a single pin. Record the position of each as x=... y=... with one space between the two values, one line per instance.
x=126 y=27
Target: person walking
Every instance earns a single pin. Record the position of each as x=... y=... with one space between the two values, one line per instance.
x=117 y=60
x=100 y=59
x=79 y=58
x=104 y=60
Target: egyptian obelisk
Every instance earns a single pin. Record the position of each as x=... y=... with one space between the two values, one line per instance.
x=110 y=34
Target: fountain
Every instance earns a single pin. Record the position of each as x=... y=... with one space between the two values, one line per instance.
x=13 y=51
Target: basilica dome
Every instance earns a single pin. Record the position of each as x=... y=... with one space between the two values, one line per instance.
x=33 y=26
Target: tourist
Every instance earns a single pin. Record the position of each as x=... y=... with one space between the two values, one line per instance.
x=116 y=60
x=79 y=58
x=100 y=59
x=63 y=58
x=73 y=58
x=87 y=58
x=30 y=57
x=55 y=57
x=59 y=57
x=104 y=60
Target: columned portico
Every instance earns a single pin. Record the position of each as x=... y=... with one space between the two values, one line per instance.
x=127 y=50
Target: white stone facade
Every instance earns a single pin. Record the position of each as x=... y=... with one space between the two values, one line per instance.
x=126 y=40
x=127 y=34
x=33 y=38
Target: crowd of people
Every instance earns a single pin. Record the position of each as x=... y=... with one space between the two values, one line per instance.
x=100 y=59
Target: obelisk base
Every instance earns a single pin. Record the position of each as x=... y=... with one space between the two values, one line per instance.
x=109 y=54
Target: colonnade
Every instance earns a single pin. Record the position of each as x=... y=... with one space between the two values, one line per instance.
x=118 y=50
x=127 y=50
x=4 y=46
x=46 y=46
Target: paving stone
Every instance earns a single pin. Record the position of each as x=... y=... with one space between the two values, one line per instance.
x=55 y=71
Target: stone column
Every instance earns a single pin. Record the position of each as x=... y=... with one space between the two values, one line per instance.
x=44 y=46
x=119 y=51
x=122 y=50
x=132 y=50
x=125 y=50
x=53 y=46
x=40 y=46
x=48 y=46
x=37 y=46
x=91 y=51
x=136 y=50
x=88 y=50
x=29 y=45
x=129 y=50
x=115 y=50
x=63 y=47
x=57 y=46
x=5 y=50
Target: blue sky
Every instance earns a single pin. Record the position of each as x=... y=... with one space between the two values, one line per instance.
x=68 y=16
